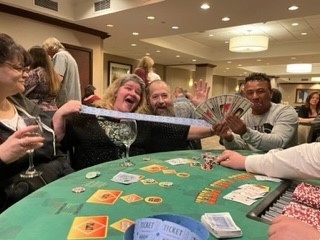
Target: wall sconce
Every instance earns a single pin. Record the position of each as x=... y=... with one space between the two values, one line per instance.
x=248 y=43
x=299 y=68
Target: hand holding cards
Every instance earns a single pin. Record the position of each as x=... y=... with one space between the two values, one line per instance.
x=221 y=225
x=216 y=108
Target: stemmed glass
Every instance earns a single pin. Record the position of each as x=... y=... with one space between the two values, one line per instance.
x=31 y=172
x=127 y=135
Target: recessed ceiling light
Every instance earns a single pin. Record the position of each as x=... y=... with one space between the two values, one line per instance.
x=293 y=58
x=205 y=6
x=293 y=8
x=158 y=51
x=239 y=65
x=259 y=60
x=194 y=60
x=225 y=19
x=133 y=45
x=210 y=35
x=304 y=34
x=295 y=24
x=229 y=62
x=135 y=33
x=110 y=25
x=175 y=27
x=227 y=68
x=147 y=54
x=226 y=42
x=151 y=17
x=177 y=56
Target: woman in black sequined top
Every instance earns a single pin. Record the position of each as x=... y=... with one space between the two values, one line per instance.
x=85 y=135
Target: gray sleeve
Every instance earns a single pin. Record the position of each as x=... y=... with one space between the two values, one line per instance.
x=283 y=134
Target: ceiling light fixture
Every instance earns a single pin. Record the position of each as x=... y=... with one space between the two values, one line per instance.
x=299 y=68
x=205 y=6
x=248 y=43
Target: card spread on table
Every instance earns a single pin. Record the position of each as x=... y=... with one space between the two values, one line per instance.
x=215 y=109
x=241 y=176
x=122 y=224
x=131 y=198
x=207 y=195
x=105 y=196
x=87 y=227
x=222 y=183
x=247 y=193
x=153 y=168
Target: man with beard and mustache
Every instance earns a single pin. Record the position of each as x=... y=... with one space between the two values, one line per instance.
x=159 y=102
x=265 y=126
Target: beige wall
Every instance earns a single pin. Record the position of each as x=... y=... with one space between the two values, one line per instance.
x=29 y=33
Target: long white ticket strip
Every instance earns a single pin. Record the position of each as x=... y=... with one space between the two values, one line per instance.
x=143 y=117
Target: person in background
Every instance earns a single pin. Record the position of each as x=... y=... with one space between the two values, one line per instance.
x=276 y=96
x=241 y=90
x=42 y=84
x=311 y=109
x=89 y=96
x=67 y=69
x=85 y=135
x=15 y=142
x=265 y=125
x=153 y=76
x=299 y=162
x=183 y=107
x=145 y=66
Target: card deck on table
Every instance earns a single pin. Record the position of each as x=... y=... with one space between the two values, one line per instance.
x=87 y=227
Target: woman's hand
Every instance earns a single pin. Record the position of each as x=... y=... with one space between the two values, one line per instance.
x=18 y=144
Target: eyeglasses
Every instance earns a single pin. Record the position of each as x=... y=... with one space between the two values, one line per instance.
x=17 y=67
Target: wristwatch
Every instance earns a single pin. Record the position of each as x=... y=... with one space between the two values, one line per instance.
x=246 y=136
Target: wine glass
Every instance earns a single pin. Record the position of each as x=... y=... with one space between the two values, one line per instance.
x=31 y=172
x=127 y=135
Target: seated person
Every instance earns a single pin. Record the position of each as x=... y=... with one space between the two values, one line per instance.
x=159 y=102
x=265 y=125
x=15 y=141
x=311 y=109
x=86 y=134
x=299 y=162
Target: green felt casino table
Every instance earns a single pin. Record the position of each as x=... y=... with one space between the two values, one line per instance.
x=49 y=212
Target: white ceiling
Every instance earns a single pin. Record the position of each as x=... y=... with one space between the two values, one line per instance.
x=270 y=18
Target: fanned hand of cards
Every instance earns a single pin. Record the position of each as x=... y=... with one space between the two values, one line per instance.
x=214 y=109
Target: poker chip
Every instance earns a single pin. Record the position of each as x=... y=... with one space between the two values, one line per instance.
x=91 y=175
x=78 y=189
x=146 y=159
x=153 y=199
x=165 y=184
x=183 y=174
x=149 y=180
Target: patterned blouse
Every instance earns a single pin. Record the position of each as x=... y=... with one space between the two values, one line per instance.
x=37 y=90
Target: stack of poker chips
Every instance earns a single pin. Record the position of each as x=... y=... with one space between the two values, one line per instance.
x=208 y=161
x=306 y=206
x=307 y=194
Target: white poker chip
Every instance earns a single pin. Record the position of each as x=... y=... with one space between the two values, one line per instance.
x=78 y=189
x=91 y=175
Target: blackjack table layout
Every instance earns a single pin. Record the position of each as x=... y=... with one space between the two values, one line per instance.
x=102 y=201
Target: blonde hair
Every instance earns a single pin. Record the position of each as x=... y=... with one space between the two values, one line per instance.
x=146 y=63
x=109 y=97
x=52 y=44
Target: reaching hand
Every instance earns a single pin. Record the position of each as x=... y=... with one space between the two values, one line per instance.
x=231 y=159
x=286 y=228
x=200 y=92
